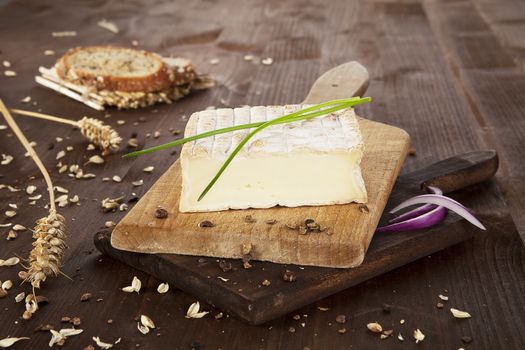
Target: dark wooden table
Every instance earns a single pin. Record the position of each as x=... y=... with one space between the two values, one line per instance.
x=451 y=73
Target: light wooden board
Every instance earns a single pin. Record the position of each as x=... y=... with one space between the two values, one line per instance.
x=343 y=244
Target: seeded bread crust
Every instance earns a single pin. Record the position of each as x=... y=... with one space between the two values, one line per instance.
x=159 y=77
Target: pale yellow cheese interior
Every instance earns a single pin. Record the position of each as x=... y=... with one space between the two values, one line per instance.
x=266 y=181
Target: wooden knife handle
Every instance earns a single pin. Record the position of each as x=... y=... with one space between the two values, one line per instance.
x=344 y=81
x=457 y=172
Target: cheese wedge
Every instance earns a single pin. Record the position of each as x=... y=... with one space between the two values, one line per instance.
x=311 y=162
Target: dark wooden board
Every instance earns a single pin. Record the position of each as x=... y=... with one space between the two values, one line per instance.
x=442 y=70
x=244 y=295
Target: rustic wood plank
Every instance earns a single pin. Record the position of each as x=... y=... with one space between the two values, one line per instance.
x=486 y=77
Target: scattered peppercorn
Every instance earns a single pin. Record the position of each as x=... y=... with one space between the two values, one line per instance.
x=161 y=213
x=206 y=223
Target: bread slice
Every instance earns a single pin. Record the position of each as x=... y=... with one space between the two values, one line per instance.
x=117 y=69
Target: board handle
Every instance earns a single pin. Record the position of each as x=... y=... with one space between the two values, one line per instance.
x=456 y=172
x=344 y=81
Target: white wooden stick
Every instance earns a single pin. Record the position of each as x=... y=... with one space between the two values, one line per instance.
x=61 y=89
x=50 y=74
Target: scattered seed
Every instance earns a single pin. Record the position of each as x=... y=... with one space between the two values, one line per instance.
x=161 y=213
x=49 y=53
x=9 y=262
x=10 y=213
x=20 y=296
x=401 y=321
x=102 y=344
x=110 y=224
x=6 y=159
x=61 y=189
x=137 y=183
x=112 y=27
x=289 y=276
x=26 y=99
x=374 y=327
x=18 y=227
x=3 y=293
x=459 y=314
x=30 y=189
x=340 y=319
x=267 y=61
x=60 y=337
x=6 y=64
x=163 y=288
x=148 y=169
x=214 y=61
x=291 y=329
x=135 y=286
x=7 y=342
x=96 y=159
x=6 y=285
x=418 y=336
x=111 y=204
x=194 y=311
x=146 y=321
x=388 y=332
x=10 y=73
x=439 y=305
x=400 y=337
x=248 y=58
x=85 y=297
x=206 y=223
x=443 y=297
x=266 y=283
x=63 y=34
x=219 y=316
x=116 y=178
x=142 y=329
x=320 y=308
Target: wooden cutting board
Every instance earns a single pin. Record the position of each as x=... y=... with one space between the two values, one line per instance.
x=241 y=292
x=349 y=230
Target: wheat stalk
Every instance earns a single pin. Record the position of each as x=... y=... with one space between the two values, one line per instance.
x=100 y=134
x=50 y=231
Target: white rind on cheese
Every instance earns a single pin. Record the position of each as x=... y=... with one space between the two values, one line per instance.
x=310 y=162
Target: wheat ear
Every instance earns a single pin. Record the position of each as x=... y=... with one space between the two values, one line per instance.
x=50 y=231
x=100 y=134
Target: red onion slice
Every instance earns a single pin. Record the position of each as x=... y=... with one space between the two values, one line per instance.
x=444 y=201
x=430 y=218
x=419 y=210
